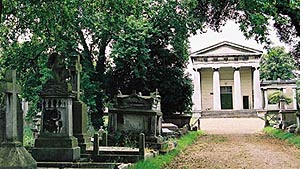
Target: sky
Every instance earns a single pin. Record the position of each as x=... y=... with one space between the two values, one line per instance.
x=230 y=32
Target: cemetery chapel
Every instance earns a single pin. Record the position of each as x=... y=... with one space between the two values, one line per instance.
x=226 y=77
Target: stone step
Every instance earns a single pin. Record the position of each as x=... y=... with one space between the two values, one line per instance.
x=77 y=165
x=120 y=158
x=115 y=150
x=229 y=114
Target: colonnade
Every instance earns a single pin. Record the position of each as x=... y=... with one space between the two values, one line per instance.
x=237 y=92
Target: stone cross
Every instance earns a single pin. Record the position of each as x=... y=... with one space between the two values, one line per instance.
x=11 y=90
x=78 y=70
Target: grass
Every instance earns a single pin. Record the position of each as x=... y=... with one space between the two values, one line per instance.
x=280 y=134
x=162 y=160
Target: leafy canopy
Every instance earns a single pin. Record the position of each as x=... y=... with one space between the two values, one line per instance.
x=277 y=64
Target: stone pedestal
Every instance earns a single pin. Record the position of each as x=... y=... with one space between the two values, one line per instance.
x=50 y=147
x=80 y=125
x=56 y=141
x=15 y=156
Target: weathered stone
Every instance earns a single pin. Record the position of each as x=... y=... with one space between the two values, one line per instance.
x=96 y=144
x=80 y=125
x=79 y=111
x=142 y=145
x=12 y=154
x=56 y=141
x=136 y=114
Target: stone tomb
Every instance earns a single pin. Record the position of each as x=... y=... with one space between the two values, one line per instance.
x=12 y=153
x=56 y=141
x=136 y=114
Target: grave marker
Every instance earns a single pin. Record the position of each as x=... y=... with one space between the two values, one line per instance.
x=56 y=141
x=12 y=152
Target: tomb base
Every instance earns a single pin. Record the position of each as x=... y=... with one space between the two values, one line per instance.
x=83 y=142
x=56 y=148
x=15 y=156
x=80 y=125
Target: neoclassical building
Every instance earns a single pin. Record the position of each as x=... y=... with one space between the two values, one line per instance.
x=226 y=77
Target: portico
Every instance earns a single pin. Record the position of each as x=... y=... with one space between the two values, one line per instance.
x=229 y=77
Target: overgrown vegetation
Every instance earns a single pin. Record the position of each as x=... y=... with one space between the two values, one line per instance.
x=162 y=160
x=275 y=98
x=28 y=139
x=277 y=64
x=280 y=134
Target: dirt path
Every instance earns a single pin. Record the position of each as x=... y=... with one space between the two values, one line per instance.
x=237 y=150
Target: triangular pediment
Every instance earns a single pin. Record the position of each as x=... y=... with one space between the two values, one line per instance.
x=226 y=49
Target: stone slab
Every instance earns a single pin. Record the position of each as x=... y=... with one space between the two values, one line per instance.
x=56 y=154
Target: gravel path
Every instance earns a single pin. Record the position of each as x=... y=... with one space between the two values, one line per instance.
x=236 y=143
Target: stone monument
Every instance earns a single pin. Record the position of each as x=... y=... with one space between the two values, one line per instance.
x=79 y=111
x=56 y=141
x=12 y=153
x=136 y=114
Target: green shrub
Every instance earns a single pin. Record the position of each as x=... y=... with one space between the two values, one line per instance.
x=275 y=97
x=28 y=139
x=280 y=134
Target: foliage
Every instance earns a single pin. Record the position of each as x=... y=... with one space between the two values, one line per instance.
x=280 y=134
x=28 y=139
x=151 y=49
x=125 y=139
x=277 y=64
x=275 y=98
x=68 y=28
x=162 y=160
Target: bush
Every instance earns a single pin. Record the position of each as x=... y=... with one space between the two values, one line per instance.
x=275 y=98
x=280 y=134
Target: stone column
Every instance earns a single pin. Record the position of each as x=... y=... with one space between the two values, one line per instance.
x=257 y=89
x=197 y=92
x=238 y=103
x=216 y=90
x=294 y=98
x=265 y=99
x=12 y=153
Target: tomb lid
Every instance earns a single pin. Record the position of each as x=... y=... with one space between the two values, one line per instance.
x=137 y=101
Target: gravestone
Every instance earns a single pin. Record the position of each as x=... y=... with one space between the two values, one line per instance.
x=79 y=111
x=56 y=141
x=136 y=114
x=12 y=153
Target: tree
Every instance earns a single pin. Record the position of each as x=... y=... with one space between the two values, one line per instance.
x=151 y=53
x=254 y=17
x=277 y=64
x=68 y=28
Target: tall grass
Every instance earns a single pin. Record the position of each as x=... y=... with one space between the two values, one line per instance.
x=280 y=134
x=162 y=160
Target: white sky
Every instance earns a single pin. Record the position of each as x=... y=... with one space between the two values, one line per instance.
x=230 y=32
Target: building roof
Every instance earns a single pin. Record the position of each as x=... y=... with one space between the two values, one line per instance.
x=226 y=48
